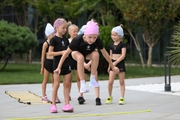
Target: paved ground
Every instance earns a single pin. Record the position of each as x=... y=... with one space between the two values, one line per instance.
x=139 y=105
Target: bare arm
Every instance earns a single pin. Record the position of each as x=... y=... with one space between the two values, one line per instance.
x=87 y=65
x=64 y=56
x=123 y=55
x=43 y=55
x=107 y=57
x=110 y=55
x=52 y=53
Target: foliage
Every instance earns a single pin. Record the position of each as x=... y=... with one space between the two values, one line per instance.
x=149 y=15
x=105 y=36
x=102 y=10
x=174 y=49
x=55 y=9
x=15 y=39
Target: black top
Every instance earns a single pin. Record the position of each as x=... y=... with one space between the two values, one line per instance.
x=117 y=49
x=59 y=44
x=78 y=44
x=48 y=46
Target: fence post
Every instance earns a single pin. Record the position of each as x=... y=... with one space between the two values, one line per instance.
x=167 y=67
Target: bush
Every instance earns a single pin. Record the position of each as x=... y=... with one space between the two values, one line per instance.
x=105 y=36
x=15 y=39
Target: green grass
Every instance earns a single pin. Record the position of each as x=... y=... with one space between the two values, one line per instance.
x=30 y=73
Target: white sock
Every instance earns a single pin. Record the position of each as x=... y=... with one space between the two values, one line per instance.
x=82 y=81
x=92 y=76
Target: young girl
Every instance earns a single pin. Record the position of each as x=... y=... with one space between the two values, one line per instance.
x=87 y=66
x=47 y=62
x=117 y=53
x=73 y=32
x=83 y=47
x=58 y=45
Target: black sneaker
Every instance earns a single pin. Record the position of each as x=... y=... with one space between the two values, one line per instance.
x=98 y=101
x=81 y=100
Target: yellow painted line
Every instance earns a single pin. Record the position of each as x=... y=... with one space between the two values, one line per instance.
x=81 y=115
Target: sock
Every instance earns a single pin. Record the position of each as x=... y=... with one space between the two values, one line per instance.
x=92 y=76
x=82 y=81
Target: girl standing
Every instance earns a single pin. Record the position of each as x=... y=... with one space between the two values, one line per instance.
x=117 y=54
x=58 y=45
x=47 y=62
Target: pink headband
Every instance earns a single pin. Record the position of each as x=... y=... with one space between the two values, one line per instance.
x=58 y=22
x=91 y=28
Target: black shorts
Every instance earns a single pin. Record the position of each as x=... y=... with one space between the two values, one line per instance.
x=121 y=66
x=73 y=64
x=48 y=65
x=65 y=70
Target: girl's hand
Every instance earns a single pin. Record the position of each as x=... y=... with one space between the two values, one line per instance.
x=57 y=71
x=87 y=66
x=114 y=63
x=116 y=70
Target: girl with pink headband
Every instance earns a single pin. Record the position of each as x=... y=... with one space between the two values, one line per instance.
x=83 y=47
x=58 y=45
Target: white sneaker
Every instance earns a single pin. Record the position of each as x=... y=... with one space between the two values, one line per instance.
x=93 y=83
x=84 y=88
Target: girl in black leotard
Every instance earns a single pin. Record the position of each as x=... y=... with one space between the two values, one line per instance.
x=46 y=62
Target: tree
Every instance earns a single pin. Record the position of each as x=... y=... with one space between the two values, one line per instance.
x=15 y=39
x=151 y=16
x=174 y=48
x=104 y=10
x=23 y=13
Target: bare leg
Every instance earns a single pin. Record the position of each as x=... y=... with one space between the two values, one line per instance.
x=78 y=83
x=122 y=83
x=44 y=83
x=94 y=57
x=97 y=89
x=67 y=84
x=80 y=68
x=55 y=88
x=111 y=82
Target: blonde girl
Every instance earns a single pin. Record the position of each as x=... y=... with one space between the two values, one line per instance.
x=58 y=45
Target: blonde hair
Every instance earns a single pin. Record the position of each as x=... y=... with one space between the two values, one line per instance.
x=72 y=26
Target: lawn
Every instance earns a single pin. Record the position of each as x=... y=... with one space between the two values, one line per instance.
x=30 y=73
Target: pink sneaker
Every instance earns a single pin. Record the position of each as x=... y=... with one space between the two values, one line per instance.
x=45 y=99
x=58 y=100
x=67 y=108
x=53 y=109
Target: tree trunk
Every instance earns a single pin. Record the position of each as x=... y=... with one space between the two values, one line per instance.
x=30 y=57
x=138 y=48
x=149 y=62
x=6 y=62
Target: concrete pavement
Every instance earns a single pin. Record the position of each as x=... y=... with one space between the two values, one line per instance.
x=138 y=105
